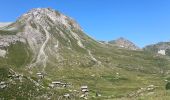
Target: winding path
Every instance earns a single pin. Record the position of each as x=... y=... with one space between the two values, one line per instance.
x=93 y=58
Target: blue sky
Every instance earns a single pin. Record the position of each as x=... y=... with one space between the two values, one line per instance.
x=141 y=21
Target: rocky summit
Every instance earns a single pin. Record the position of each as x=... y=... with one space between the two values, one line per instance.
x=124 y=43
x=45 y=54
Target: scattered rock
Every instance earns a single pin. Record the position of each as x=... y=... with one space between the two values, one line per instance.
x=2 y=53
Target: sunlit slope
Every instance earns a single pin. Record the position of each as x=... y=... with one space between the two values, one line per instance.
x=48 y=42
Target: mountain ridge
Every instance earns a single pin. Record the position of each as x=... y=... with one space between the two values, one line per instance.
x=122 y=43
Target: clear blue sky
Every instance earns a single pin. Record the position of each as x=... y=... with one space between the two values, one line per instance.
x=141 y=21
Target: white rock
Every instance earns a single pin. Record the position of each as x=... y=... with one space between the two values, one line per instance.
x=2 y=53
x=162 y=52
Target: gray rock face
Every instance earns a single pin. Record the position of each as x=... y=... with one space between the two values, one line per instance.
x=6 y=40
x=47 y=17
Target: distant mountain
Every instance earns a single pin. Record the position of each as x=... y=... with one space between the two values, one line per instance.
x=160 y=48
x=4 y=24
x=124 y=43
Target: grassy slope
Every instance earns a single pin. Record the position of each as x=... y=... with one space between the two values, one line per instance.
x=18 y=56
x=136 y=69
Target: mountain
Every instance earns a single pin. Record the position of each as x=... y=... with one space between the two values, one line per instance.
x=124 y=43
x=4 y=24
x=45 y=54
x=49 y=34
x=162 y=48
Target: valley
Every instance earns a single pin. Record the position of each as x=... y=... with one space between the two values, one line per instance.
x=49 y=57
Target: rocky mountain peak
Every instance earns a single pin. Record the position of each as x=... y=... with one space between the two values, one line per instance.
x=121 y=39
x=48 y=17
x=124 y=43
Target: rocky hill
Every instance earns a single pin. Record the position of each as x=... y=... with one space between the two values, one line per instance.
x=162 y=48
x=124 y=43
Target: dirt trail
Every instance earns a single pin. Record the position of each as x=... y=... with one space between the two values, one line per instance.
x=93 y=58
